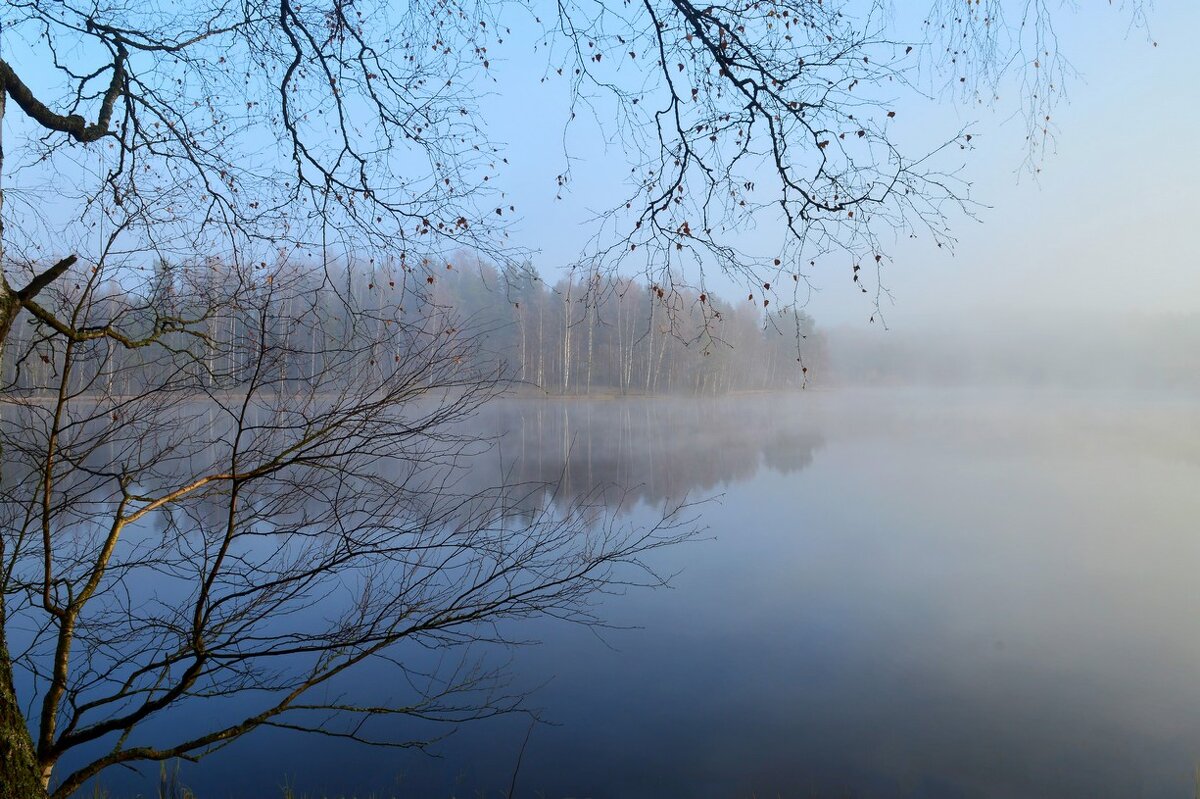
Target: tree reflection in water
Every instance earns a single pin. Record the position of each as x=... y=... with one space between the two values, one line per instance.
x=652 y=451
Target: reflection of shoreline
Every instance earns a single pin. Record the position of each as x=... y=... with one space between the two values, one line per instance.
x=643 y=450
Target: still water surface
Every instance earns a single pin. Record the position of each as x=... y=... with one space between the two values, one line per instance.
x=895 y=593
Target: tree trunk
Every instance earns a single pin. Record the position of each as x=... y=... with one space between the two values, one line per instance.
x=524 y=356
x=593 y=290
x=541 y=346
x=10 y=306
x=650 y=346
x=566 y=379
x=20 y=777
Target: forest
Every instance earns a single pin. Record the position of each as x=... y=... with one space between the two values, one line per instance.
x=584 y=333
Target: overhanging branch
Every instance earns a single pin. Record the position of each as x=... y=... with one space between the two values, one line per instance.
x=40 y=282
x=74 y=125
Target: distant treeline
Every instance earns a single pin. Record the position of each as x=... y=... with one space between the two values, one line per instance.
x=583 y=333
x=596 y=332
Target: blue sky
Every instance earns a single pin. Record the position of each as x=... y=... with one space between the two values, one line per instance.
x=1105 y=228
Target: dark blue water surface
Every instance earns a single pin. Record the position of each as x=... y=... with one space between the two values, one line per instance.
x=901 y=593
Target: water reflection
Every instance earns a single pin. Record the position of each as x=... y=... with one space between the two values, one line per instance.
x=923 y=595
x=648 y=451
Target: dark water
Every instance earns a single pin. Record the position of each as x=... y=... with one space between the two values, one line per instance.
x=895 y=594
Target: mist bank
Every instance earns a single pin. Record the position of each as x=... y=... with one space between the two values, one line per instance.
x=1131 y=351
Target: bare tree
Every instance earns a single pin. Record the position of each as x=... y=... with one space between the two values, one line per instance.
x=348 y=125
x=256 y=531
x=786 y=119
x=238 y=136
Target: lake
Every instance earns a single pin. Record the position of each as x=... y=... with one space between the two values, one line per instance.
x=891 y=593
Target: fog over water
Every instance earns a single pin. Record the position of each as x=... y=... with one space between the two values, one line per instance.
x=894 y=592
x=1021 y=348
